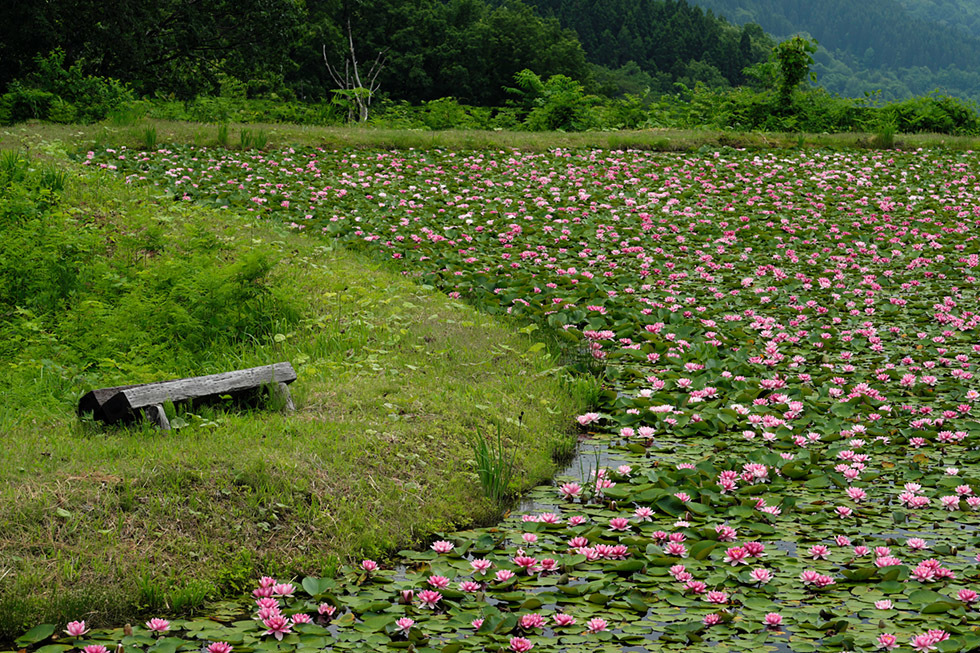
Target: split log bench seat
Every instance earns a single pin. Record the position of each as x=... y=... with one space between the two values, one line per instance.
x=128 y=402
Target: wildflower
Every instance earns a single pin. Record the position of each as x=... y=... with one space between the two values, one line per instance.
x=158 y=625
x=520 y=644
x=76 y=628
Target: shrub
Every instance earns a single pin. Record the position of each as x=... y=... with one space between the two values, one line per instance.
x=94 y=97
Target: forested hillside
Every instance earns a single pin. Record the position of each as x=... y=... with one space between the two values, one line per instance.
x=669 y=40
x=898 y=47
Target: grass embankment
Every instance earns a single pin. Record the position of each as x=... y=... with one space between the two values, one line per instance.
x=149 y=133
x=105 y=284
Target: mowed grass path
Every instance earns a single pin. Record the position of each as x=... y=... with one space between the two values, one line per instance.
x=394 y=381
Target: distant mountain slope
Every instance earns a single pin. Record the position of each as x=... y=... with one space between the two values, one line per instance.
x=959 y=15
x=901 y=47
x=670 y=40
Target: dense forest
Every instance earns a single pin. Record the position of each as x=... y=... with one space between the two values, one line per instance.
x=669 y=40
x=898 y=47
x=497 y=64
x=467 y=49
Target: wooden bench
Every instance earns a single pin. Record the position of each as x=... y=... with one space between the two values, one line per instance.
x=128 y=402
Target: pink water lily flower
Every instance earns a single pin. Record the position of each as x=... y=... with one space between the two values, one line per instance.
x=442 y=546
x=520 y=644
x=158 y=625
x=588 y=418
x=404 y=624
x=596 y=625
x=772 y=620
x=76 y=628
x=219 y=647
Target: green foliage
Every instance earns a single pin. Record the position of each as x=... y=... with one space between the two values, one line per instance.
x=557 y=104
x=62 y=93
x=669 y=41
x=223 y=135
x=901 y=48
x=793 y=59
x=935 y=113
x=253 y=139
x=55 y=278
x=494 y=466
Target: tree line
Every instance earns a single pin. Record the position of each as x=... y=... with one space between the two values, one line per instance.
x=466 y=49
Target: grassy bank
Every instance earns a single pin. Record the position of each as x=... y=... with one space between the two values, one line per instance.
x=149 y=133
x=394 y=382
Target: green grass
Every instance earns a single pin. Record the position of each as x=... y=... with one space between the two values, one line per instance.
x=394 y=381
x=38 y=135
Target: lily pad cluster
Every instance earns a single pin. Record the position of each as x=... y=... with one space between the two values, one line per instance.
x=787 y=343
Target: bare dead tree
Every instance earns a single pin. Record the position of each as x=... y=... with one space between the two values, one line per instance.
x=352 y=84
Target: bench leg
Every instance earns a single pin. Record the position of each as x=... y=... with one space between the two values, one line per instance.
x=158 y=416
x=282 y=391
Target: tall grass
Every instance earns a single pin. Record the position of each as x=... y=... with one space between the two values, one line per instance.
x=494 y=466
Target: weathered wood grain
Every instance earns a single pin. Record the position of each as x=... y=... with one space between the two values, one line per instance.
x=125 y=402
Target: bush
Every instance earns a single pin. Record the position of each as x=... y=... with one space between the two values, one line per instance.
x=23 y=103
x=557 y=104
x=62 y=94
x=940 y=114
